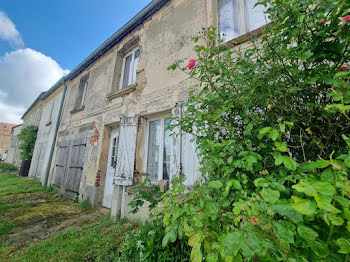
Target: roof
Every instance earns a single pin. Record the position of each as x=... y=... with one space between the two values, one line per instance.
x=39 y=98
x=140 y=18
x=5 y=128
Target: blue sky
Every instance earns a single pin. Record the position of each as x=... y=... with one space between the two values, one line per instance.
x=68 y=30
x=42 y=40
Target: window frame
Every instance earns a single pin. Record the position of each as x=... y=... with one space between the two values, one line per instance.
x=162 y=143
x=255 y=31
x=85 y=79
x=132 y=74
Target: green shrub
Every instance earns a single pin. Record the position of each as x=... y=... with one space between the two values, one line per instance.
x=6 y=167
x=85 y=204
x=272 y=125
x=145 y=245
x=27 y=138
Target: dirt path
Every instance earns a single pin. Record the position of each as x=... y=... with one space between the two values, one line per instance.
x=30 y=213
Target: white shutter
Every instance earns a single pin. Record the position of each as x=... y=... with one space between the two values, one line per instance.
x=175 y=157
x=185 y=155
x=124 y=174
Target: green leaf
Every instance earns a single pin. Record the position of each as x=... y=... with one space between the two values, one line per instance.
x=265 y=130
x=344 y=245
x=274 y=134
x=289 y=163
x=282 y=147
x=260 y=182
x=320 y=249
x=303 y=206
x=334 y=219
x=169 y=237
x=232 y=243
x=278 y=160
x=283 y=232
x=305 y=188
x=284 y=208
x=307 y=233
x=215 y=184
x=324 y=188
x=324 y=202
x=236 y=184
x=270 y=195
x=196 y=253
x=195 y=239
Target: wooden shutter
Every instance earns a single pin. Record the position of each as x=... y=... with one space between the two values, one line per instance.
x=185 y=155
x=35 y=160
x=126 y=151
x=61 y=163
x=75 y=165
x=41 y=159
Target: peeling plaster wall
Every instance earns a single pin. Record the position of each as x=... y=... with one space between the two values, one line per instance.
x=46 y=134
x=163 y=38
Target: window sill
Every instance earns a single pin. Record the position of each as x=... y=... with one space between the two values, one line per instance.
x=76 y=110
x=245 y=38
x=122 y=92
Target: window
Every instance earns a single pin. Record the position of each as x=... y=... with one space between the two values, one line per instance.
x=82 y=89
x=159 y=150
x=114 y=153
x=238 y=17
x=4 y=128
x=130 y=63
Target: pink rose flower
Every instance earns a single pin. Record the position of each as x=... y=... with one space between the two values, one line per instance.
x=191 y=63
x=346 y=18
x=343 y=68
x=321 y=21
x=254 y=220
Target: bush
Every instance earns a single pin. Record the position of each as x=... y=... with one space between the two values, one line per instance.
x=145 y=245
x=271 y=124
x=6 y=167
x=27 y=138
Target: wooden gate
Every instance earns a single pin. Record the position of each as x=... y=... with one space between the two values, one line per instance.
x=69 y=164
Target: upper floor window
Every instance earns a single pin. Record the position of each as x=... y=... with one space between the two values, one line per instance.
x=238 y=17
x=82 y=89
x=130 y=63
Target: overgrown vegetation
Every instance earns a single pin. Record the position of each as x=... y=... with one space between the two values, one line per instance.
x=272 y=125
x=6 y=167
x=27 y=138
x=94 y=242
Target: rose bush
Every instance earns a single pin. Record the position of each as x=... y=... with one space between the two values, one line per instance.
x=273 y=136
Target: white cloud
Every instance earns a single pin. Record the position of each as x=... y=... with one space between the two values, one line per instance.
x=24 y=74
x=9 y=32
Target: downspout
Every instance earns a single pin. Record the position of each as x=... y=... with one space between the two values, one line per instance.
x=55 y=135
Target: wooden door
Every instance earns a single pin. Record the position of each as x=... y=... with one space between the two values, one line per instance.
x=75 y=165
x=110 y=172
x=61 y=163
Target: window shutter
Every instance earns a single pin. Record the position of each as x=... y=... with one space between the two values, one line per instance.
x=126 y=151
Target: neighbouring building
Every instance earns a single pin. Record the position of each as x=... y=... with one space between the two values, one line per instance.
x=5 y=139
x=13 y=154
x=51 y=104
x=120 y=99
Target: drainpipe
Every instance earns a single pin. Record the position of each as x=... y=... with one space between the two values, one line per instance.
x=55 y=135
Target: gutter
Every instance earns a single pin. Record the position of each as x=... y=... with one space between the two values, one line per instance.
x=63 y=81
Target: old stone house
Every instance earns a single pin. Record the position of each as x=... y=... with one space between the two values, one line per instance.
x=13 y=154
x=5 y=139
x=118 y=103
x=51 y=105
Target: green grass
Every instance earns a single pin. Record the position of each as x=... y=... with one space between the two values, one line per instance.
x=99 y=241
x=94 y=242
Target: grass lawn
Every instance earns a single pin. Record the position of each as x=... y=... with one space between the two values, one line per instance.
x=37 y=224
